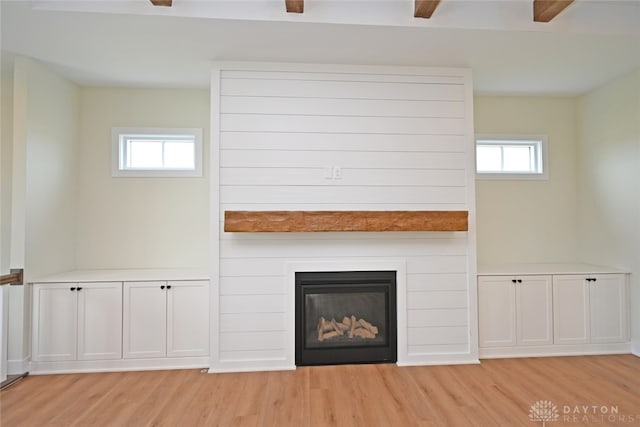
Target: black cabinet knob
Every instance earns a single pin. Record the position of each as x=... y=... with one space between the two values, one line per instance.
x=79 y=288
x=168 y=286
x=72 y=289
x=513 y=280
x=519 y=280
x=162 y=287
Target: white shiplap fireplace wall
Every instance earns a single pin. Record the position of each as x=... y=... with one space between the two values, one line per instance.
x=401 y=139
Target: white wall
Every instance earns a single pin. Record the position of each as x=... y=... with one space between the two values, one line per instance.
x=45 y=146
x=139 y=222
x=6 y=154
x=402 y=142
x=45 y=122
x=529 y=221
x=609 y=173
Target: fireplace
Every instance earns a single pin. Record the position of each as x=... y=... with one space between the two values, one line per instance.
x=345 y=317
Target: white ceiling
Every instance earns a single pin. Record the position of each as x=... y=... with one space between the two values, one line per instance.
x=132 y=43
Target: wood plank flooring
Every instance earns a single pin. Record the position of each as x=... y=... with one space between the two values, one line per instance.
x=595 y=390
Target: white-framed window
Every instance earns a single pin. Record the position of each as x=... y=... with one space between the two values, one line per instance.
x=511 y=157
x=156 y=152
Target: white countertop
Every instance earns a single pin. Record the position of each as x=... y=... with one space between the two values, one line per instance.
x=123 y=275
x=546 y=268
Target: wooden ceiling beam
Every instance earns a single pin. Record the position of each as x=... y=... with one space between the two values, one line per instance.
x=294 y=6
x=166 y=3
x=546 y=10
x=425 y=8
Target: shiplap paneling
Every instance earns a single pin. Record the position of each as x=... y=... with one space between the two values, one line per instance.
x=265 y=285
x=437 y=282
x=252 y=357
x=310 y=248
x=438 y=335
x=239 y=322
x=401 y=141
x=368 y=142
x=299 y=176
x=439 y=349
x=437 y=317
x=349 y=159
x=333 y=89
x=341 y=107
x=256 y=303
x=252 y=340
x=438 y=300
x=340 y=124
x=333 y=195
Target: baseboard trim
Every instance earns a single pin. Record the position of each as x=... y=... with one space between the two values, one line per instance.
x=635 y=348
x=250 y=366
x=440 y=362
x=118 y=365
x=555 y=350
x=439 y=359
x=17 y=366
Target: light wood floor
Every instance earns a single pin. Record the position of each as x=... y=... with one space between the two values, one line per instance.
x=494 y=393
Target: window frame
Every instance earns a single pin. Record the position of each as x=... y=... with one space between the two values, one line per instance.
x=116 y=152
x=542 y=156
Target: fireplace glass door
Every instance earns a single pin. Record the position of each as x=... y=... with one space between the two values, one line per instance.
x=345 y=317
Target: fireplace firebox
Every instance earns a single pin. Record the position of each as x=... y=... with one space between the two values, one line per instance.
x=345 y=317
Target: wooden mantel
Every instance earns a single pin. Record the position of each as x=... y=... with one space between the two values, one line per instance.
x=313 y=221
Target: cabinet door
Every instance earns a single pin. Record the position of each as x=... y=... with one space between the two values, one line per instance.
x=608 y=307
x=99 y=321
x=534 y=310
x=145 y=319
x=570 y=309
x=188 y=318
x=55 y=312
x=496 y=311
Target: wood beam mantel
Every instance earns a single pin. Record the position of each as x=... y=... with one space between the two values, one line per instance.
x=294 y=6
x=546 y=10
x=425 y=8
x=314 y=221
x=166 y=3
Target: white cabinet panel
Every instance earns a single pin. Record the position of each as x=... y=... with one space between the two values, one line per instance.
x=99 y=321
x=166 y=319
x=534 y=320
x=571 y=309
x=54 y=322
x=497 y=312
x=145 y=319
x=77 y=321
x=515 y=311
x=187 y=318
x=608 y=308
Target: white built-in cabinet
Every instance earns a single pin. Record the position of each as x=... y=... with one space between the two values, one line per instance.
x=515 y=310
x=166 y=319
x=590 y=309
x=553 y=314
x=100 y=325
x=77 y=321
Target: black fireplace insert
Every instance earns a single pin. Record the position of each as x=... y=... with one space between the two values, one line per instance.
x=345 y=317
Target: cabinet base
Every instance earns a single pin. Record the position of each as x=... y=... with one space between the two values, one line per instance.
x=555 y=350
x=86 y=366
